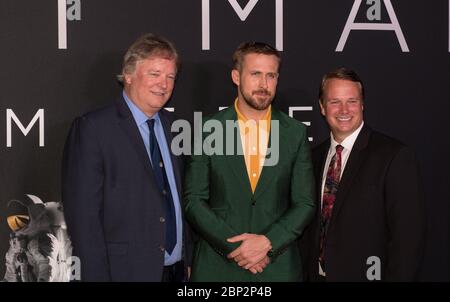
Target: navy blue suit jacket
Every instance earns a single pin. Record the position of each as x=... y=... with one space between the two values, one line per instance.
x=112 y=204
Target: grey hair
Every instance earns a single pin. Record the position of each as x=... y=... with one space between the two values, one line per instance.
x=144 y=47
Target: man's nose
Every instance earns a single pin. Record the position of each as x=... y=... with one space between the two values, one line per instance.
x=263 y=82
x=344 y=108
x=163 y=82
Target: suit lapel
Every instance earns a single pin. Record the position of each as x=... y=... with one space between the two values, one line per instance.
x=356 y=158
x=237 y=161
x=176 y=161
x=269 y=172
x=128 y=125
x=237 y=165
x=319 y=166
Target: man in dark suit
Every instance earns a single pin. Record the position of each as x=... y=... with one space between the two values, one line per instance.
x=121 y=182
x=370 y=219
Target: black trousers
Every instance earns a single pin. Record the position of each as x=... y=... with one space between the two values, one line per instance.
x=174 y=273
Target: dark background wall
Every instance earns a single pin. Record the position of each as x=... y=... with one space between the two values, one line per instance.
x=407 y=93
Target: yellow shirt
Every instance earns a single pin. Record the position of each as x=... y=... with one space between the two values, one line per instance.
x=254 y=138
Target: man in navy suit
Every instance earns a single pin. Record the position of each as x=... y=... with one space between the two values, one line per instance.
x=121 y=182
x=370 y=219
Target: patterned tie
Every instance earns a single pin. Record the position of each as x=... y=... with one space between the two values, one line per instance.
x=328 y=198
x=163 y=184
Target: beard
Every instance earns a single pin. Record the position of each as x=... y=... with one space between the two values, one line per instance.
x=259 y=99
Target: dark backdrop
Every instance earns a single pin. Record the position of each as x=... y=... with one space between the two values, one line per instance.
x=407 y=93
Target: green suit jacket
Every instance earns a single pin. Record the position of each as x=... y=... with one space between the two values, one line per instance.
x=219 y=204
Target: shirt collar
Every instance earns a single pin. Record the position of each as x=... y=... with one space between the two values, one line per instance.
x=139 y=116
x=349 y=141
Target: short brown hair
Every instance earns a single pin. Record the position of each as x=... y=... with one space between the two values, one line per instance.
x=342 y=74
x=145 y=46
x=253 y=47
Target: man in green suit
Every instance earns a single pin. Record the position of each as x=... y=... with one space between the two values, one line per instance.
x=250 y=205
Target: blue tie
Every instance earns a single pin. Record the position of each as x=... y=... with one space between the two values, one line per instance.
x=163 y=184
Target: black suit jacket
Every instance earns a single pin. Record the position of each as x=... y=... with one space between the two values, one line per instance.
x=112 y=204
x=378 y=211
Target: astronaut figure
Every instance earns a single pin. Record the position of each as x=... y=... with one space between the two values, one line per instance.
x=40 y=249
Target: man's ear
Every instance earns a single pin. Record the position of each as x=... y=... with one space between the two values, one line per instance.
x=322 y=109
x=127 y=78
x=235 y=76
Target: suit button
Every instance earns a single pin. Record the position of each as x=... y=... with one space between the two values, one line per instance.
x=162 y=248
x=253 y=202
x=161 y=219
x=164 y=192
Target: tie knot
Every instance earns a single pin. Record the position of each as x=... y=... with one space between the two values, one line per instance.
x=151 y=123
x=339 y=149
